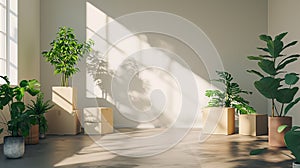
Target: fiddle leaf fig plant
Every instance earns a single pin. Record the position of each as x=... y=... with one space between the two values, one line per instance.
x=65 y=53
x=21 y=118
x=276 y=83
x=231 y=96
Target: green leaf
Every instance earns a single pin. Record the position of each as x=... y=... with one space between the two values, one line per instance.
x=281 y=128
x=290 y=44
x=291 y=78
x=267 y=86
x=265 y=38
x=289 y=106
x=292 y=142
x=255 y=58
x=1 y=130
x=280 y=36
x=289 y=57
x=286 y=95
x=283 y=64
x=256 y=72
x=267 y=66
x=264 y=49
x=258 y=151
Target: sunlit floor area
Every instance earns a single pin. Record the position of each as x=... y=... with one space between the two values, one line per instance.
x=222 y=151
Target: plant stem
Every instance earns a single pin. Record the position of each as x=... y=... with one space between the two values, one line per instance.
x=281 y=110
x=273 y=106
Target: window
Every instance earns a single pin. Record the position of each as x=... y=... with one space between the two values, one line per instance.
x=9 y=39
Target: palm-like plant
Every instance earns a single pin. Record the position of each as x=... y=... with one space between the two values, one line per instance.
x=231 y=96
x=39 y=108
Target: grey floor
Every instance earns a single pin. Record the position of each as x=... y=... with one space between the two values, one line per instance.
x=222 y=151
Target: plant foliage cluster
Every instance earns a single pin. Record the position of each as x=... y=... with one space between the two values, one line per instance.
x=231 y=96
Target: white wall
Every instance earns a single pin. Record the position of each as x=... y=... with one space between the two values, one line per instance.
x=283 y=17
x=232 y=26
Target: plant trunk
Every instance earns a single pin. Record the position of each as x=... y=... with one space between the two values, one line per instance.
x=64 y=80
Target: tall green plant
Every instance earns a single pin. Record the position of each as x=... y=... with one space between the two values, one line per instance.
x=275 y=82
x=65 y=53
x=231 y=96
x=20 y=117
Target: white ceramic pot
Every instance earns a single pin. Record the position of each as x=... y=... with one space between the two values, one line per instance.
x=296 y=165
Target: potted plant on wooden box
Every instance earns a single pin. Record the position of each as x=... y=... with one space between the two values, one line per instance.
x=20 y=118
x=39 y=108
x=226 y=102
x=64 y=55
x=276 y=83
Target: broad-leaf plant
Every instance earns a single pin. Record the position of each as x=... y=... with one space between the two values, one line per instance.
x=21 y=118
x=275 y=82
x=231 y=96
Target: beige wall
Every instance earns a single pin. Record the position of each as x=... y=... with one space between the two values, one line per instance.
x=56 y=13
x=283 y=17
x=232 y=26
x=29 y=40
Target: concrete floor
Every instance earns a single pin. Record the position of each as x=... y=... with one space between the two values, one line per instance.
x=217 y=151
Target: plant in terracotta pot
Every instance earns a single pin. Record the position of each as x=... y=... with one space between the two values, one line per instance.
x=228 y=100
x=21 y=118
x=276 y=83
x=39 y=107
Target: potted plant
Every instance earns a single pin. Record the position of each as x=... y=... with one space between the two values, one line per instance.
x=291 y=139
x=20 y=118
x=64 y=55
x=229 y=100
x=39 y=108
x=276 y=83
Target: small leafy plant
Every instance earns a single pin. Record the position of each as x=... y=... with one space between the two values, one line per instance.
x=276 y=83
x=39 y=108
x=231 y=96
x=21 y=118
x=65 y=53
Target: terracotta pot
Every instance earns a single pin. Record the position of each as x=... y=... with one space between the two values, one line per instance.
x=277 y=139
x=33 y=137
